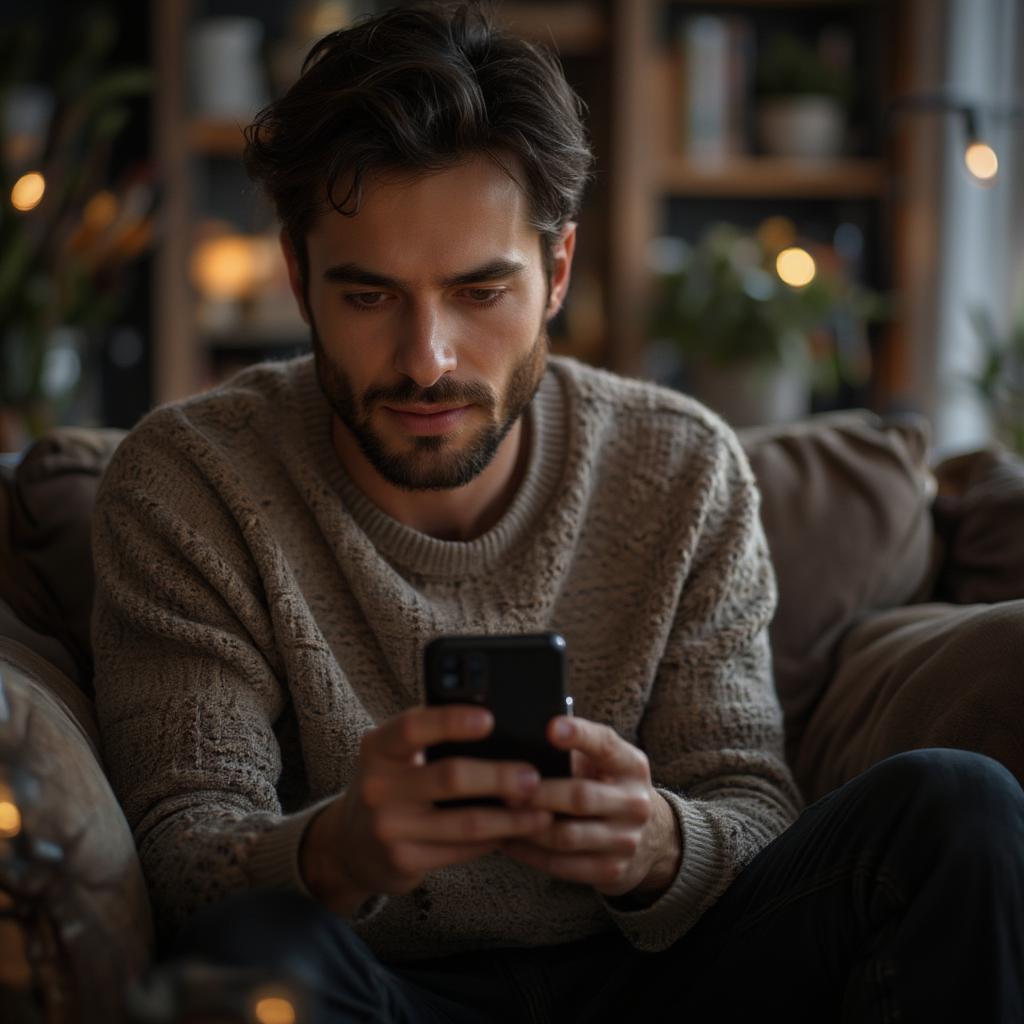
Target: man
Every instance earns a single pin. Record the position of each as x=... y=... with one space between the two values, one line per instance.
x=272 y=558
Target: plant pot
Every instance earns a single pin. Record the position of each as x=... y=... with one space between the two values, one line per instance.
x=802 y=127
x=752 y=394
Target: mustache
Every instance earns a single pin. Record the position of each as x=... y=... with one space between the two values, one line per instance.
x=445 y=392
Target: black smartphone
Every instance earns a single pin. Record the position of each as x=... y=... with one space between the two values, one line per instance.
x=520 y=679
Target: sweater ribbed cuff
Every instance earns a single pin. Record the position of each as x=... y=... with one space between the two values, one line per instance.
x=274 y=858
x=677 y=910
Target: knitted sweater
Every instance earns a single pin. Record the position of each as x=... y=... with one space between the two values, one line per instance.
x=255 y=614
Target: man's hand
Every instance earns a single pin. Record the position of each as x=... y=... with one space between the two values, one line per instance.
x=615 y=831
x=384 y=834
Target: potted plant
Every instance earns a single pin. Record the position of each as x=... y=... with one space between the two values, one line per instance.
x=754 y=347
x=1000 y=383
x=66 y=235
x=803 y=92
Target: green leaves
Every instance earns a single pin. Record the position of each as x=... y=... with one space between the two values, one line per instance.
x=49 y=276
x=1000 y=380
x=723 y=303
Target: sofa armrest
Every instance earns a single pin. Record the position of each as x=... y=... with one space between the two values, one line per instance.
x=929 y=675
x=46 y=504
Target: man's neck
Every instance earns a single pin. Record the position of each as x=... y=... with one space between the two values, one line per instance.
x=459 y=514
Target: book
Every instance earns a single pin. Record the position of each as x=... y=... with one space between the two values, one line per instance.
x=715 y=63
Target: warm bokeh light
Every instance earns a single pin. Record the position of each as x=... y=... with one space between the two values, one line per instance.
x=10 y=819
x=28 y=191
x=981 y=161
x=274 y=1010
x=224 y=268
x=795 y=266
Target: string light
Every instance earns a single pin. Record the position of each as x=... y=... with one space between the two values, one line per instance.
x=980 y=158
x=982 y=162
x=795 y=266
x=28 y=191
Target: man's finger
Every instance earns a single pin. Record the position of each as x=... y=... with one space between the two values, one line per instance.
x=406 y=734
x=585 y=798
x=584 y=836
x=460 y=825
x=610 y=753
x=454 y=777
x=451 y=778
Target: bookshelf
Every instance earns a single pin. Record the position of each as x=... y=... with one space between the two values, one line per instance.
x=619 y=55
x=774 y=177
x=670 y=191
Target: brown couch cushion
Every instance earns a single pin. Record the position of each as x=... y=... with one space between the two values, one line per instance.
x=48 y=734
x=46 y=573
x=979 y=515
x=929 y=675
x=845 y=506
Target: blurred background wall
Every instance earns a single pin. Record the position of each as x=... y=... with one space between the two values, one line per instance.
x=783 y=220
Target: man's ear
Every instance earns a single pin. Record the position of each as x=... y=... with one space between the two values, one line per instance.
x=561 y=268
x=294 y=273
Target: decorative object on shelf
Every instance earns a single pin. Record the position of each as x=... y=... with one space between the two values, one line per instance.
x=1000 y=382
x=225 y=68
x=715 y=55
x=242 y=280
x=67 y=236
x=761 y=320
x=803 y=94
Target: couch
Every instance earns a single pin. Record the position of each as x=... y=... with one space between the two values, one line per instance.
x=900 y=624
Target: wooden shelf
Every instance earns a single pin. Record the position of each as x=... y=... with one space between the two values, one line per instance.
x=214 y=137
x=576 y=27
x=255 y=336
x=781 y=4
x=773 y=177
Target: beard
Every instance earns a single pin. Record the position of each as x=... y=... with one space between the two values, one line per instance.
x=431 y=463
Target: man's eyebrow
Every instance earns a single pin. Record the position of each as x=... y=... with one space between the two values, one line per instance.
x=352 y=273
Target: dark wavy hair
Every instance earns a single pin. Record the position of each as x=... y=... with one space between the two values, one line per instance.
x=420 y=89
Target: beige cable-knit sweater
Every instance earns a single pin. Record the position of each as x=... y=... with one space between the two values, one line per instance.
x=256 y=613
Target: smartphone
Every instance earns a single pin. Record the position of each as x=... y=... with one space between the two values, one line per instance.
x=520 y=679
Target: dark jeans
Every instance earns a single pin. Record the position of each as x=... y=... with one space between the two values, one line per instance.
x=899 y=897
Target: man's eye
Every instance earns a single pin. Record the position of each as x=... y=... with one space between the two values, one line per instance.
x=484 y=296
x=366 y=300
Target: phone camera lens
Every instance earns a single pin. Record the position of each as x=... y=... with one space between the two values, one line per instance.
x=450 y=663
x=476 y=674
x=449 y=681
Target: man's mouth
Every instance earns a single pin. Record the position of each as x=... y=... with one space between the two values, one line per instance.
x=428 y=420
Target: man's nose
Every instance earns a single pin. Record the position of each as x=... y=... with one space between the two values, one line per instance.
x=425 y=352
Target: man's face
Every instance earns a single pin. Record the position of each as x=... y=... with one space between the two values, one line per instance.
x=428 y=312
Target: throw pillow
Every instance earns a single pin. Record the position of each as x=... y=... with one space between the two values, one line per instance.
x=845 y=506
x=979 y=514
